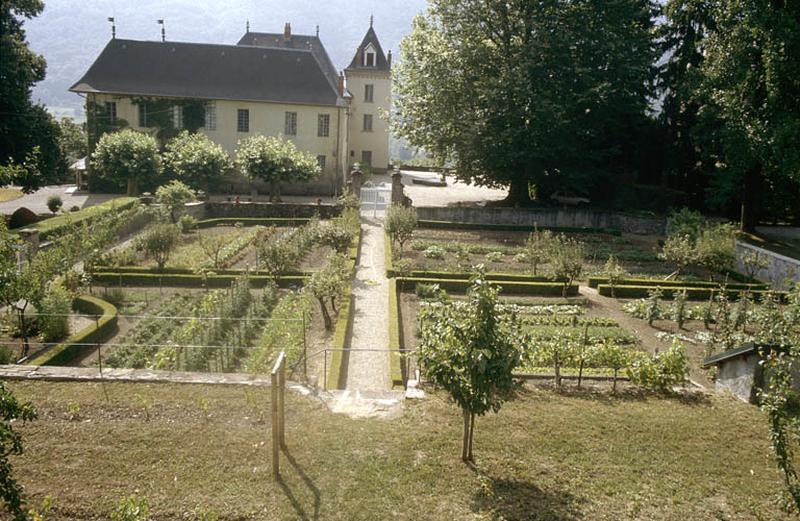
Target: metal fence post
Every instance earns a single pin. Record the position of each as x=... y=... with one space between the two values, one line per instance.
x=275 y=435
x=281 y=392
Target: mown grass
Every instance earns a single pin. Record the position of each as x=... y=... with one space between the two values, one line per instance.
x=9 y=194
x=545 y=456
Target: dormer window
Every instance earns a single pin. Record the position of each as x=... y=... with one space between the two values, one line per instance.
x=369 y=56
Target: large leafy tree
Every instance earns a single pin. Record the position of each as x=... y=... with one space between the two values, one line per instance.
x=274 y=160
x=525 y=94
x=23 y=124
x=471 y=349
x=750 y=71
x=127 y=155
x=195 y=160
x=72 y=139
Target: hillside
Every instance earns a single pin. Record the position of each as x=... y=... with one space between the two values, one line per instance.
x=71 y=34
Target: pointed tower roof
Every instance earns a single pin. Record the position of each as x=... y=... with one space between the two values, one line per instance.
x=370 y=39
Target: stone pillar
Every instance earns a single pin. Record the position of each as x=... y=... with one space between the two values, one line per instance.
x=397 y=186
x=30 y=242
x=356 y=179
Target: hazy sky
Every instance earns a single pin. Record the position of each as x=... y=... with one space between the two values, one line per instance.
x=71 y=33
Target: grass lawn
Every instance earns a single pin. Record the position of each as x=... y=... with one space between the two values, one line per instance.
x=545 y=456
x=9 y=194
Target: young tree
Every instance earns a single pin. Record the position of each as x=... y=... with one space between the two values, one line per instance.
x=212 y=246
x=753 y=262
x=678 y=250
x=54 y=203
x=336 y=236
x=127 y=155
x=160 y=241
x=614 y=356
x=274 y=160
x=615 y=272
x=173 y=196
x=567 y=260
x=538 y=248
x=327 y=283
x=716 y=248
x=400 y=223
x=463 y=88
x=194 y=159
x=11 y=411
x=471 y=349
x=72 y=139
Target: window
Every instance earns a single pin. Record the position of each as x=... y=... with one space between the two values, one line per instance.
x=369 y=59
x=369 y=91
x=290 y=124
x=111 y=111
x=323 y=125
x=367 y=122
x=211 y=116
x=321 y=162
x=366 y=157
x=142 y=114
x=177 y=116
x=243 y=120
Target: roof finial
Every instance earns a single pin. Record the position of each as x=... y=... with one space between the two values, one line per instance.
x=247 y=26
x=163 y=31
x=113 y=27
x=317 y=30
x=370 y=21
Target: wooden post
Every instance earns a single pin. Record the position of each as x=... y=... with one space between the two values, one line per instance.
x=275 y=435
x=281 y=391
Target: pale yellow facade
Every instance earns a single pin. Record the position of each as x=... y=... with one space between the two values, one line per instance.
x=361 y=139
x=268 y=119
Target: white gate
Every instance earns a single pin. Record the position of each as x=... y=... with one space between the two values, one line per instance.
x=375 y=197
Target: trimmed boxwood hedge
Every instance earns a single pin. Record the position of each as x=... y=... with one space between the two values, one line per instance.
x=628 y=291
x=453 y=225
x=543 y=289
x=190 y=281
x=395 y=343
x=188 y=271
x=594 y=282
x=61 y=224
x=102 y=330
x=494 y=277
x=252 y=221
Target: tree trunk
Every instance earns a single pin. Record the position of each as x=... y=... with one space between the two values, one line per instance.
x=465 y=441
x=333 y=304
x=614 y=385
x=517 y=193
x=133 y=187
x=750 y=198
x=471 y=437
x=580 y=373
x=557 y=368
x=325 y=316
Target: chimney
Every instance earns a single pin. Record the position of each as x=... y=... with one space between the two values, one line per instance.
x=341 y=84
x=359 y=57
x=287 y=31
x=389 y=58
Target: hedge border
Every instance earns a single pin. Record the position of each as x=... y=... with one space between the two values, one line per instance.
x=112 y=279
x=337 y=377
x=252 y=221
x=456 y=225
x=67 y=351
x=594 y=282
x=100 y=270
x=58 y=225
x=395 y=338
x=543 y=289
x=629 y=291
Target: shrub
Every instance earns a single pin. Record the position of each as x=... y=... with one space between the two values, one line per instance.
x=679 y=308
x=716 y=248
x=652 y=311
x=195 y=159
x=337 y=237
x=127 y=155
x=429 y=291
x=399 y=223
x=567 y=259
x=685 y=223
x=187 y=223
x=131 y=509
x=434 y=252
x=53 y=318
x=494 y=256
x=75 y=208
x=660 y=371
x=173 y=195
x=159 y=242
x=54 y=203
x=678 y=250
x=538 y=248
x=614 y=271
x=275 y=159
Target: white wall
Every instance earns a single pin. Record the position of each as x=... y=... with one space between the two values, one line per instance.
x=376 y=141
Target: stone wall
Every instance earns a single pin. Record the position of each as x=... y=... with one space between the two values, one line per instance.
x=737 y=375
x=779 y=269
x=546 y=218
x=278 y=210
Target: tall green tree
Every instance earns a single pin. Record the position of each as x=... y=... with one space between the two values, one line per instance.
x=275 y=160
x=72 y=140
x=195 y=160
x=23 y=124
x=531 y=96
x=127 y=156
x=749 y=78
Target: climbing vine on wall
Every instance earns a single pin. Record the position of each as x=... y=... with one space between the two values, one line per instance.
x=159 y=113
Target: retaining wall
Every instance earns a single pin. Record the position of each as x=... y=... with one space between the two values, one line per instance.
x=546 y=218
x=779 y=269
x=214 y=209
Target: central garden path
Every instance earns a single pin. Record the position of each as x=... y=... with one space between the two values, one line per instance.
x=370 y=370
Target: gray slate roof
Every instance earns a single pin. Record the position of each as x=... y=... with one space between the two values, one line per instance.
x=295 y=41
x=381 y=63
x=209 y=71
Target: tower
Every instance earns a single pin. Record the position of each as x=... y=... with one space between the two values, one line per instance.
x=369 y=83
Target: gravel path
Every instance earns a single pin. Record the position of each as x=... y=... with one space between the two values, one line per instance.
x=370 y=370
